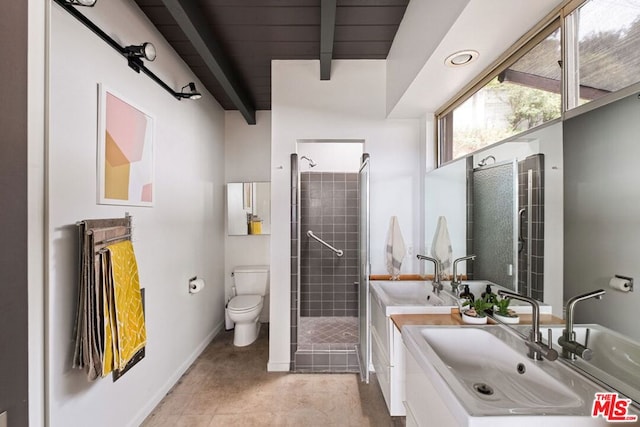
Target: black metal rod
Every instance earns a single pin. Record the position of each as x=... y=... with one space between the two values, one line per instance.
x=156 y=79
x=135 y=63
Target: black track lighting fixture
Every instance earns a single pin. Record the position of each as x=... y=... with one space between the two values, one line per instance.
x=87 y=3
x=145 y=50
x=192 y=94
x=134 y=53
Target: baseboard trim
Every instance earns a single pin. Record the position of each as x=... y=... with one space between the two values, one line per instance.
x=173 y=379
x=278 y=366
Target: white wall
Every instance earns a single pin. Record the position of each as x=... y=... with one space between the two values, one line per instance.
x=344 y=156
x=247 y=159
x=181 y=236
x=424 y=25
x=349 y=106
x=36 y=136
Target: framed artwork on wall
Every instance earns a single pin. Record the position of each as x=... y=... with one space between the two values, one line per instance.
x=125 y=152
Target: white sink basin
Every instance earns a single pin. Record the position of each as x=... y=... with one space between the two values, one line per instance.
x=465 y=363
x=496 y=373
x=615 y=361
x=410 y=297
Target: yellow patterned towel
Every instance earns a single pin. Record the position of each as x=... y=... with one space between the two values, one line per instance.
x=124 y=317
x=106 y=282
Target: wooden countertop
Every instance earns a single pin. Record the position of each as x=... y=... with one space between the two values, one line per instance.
x=454 y=318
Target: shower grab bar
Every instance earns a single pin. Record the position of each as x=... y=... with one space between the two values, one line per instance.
x=313 y=236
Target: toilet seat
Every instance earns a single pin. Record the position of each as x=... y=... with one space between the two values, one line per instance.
x=244 y=303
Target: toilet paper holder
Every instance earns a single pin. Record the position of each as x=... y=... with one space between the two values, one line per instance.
x=195 y=285
x=629 y=279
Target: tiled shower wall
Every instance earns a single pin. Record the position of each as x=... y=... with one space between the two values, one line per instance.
x=329 y=207
x=535 y=163
x=469 y=248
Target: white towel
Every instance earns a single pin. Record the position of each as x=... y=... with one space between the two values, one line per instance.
x=395 y=249
x=441 y=246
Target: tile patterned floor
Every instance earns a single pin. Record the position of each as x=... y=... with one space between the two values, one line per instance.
x=328 y=330
x=229 y=386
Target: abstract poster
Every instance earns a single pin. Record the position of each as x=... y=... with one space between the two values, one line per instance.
x=125 y=153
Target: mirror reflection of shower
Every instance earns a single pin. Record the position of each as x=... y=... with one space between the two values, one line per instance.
x=312 y=164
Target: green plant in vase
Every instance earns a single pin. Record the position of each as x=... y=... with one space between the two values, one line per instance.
x=502 y=307
x=477 y=308
x=504 y=313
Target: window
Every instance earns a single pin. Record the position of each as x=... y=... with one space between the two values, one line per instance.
x=519 y=97
x=602 y=41
x=608 y=37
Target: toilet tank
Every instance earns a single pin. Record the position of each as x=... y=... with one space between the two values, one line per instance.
x=251 y=279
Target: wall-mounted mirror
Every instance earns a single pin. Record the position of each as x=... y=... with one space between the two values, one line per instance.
x=590 y=228
x=601 y=235
x=533 y=265
x=602 y=212
x=249 y=208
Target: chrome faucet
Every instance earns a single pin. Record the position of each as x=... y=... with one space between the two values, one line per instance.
x=570 y=347
x=437 y=286
x=455 y=283
x=537 y=349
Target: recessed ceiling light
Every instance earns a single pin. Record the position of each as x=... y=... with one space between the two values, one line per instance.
x=461 y=58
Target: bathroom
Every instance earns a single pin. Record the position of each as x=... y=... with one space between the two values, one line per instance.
x=199 y=149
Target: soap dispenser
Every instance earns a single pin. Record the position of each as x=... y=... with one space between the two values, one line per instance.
x=466 y=293
x=489 y=296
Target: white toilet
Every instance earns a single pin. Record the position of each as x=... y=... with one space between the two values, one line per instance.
x=251 y=284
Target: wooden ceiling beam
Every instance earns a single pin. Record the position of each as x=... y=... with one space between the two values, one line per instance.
x=327 y=32
x=192 y=22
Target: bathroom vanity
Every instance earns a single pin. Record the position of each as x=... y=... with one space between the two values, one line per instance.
x=387 y=351
x=435 y=370
x=392 y=298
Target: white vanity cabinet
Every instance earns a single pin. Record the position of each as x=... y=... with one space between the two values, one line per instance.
x=424 y=405
x=387 y=356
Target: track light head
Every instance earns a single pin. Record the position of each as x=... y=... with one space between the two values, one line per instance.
x=88 y=3
x=145 y=50
x=192 y=94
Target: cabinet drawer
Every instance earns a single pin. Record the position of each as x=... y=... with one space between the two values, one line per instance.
x=383 y=371
x=380 y=323
x=378 y=352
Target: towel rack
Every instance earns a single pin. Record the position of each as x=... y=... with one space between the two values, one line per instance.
x=94 y=235
x=338 y=252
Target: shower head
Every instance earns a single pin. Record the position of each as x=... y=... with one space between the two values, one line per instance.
x=483 y=162
x=312 y=164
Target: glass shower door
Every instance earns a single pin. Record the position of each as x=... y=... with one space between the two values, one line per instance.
x=363 y=347
x=495 y=223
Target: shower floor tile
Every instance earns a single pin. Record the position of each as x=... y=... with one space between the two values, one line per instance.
x=327 y=330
